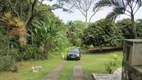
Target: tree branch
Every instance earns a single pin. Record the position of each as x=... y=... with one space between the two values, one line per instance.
x=128 y=11
x=94 y=14
x=72 y=6
x=80 y=10
x=21 y=11
x=40 y=4
x=123 y=3
x=136 y=10
x=135 y=6
x=12 y=8
x=32 y=13
x=90 y=3
x=127 y=15
x=15 y=3
x=80 y=6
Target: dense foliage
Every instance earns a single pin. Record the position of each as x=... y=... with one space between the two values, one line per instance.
x=29 y=30
x=75 y=32
x=108 y=33
x=119 y=7
x=102 y=33
x=125 y=26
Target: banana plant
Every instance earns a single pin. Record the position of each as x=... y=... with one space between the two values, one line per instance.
x=44 y=33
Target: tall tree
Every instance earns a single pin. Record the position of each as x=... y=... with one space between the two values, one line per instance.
x=75 y=32
x=21 y=13
x=84 y=7
x=127 y=7
x=102 y=33
x=125 y=26
x=24 y=9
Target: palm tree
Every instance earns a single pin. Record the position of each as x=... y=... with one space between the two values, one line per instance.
x=125 y=7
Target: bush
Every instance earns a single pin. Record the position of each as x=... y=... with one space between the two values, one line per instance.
x=102 y=33
x=112 y=64
x=31 y=52
x=14 y=53
x=6 y=62
x=4 y=45
x=108 y=67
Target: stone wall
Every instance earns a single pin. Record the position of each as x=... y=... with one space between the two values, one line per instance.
x=132 y=59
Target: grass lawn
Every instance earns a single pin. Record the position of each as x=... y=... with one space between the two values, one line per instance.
x=94 y=63
x=24 y=70
x=66 y=73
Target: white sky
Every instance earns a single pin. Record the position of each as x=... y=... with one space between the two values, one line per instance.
x=76 y=15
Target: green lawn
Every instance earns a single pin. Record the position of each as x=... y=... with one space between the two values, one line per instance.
x=25 y=73
x=94 y=63
x=90 y=62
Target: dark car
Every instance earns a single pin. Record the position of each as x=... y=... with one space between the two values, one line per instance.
x=74 y=53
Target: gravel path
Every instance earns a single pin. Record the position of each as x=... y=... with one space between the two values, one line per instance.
x=54 y=74
x=78 y=73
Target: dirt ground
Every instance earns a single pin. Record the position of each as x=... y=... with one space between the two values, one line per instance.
x=54 y=74
x=78 y=73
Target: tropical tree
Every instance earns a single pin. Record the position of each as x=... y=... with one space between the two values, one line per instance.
x=127 y=7
x=75 y=32
x=139 y=28
x=24 y=9
x=18 y=19
x=18 y=15
x=84 y=6
x=125 y=26
x=45 y=33
x=102 y=33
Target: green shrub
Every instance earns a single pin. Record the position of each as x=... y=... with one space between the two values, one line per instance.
x=4 y=44
x=31 y=52
x=51 y=55
x=108 y=68
x=14 y=53
x=6 y=62
x=111 y=64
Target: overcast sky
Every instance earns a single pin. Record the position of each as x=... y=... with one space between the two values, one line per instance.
x=76 y=15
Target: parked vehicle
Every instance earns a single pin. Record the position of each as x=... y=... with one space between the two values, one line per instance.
x=74 y=53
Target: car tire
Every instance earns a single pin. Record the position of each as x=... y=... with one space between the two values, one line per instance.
x=78 y=59
x=67 y=58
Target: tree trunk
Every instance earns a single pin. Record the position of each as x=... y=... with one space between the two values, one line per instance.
x=133 y=26
x=86 y=18
x=101 y=48
x=133 y=23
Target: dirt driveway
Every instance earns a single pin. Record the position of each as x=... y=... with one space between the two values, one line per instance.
x=78 y=73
